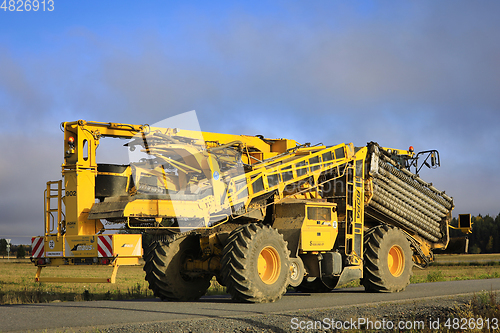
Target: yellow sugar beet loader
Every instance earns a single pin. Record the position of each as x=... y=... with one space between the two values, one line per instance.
x=258 y=214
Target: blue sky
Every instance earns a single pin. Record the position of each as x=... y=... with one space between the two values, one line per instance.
x=420 y=73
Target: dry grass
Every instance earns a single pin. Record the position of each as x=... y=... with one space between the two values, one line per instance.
x=17 y=284
x=451 y=273
x=459 y=267
x=467 y=259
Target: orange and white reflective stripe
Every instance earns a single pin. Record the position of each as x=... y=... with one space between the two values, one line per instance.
x=105 y=246
x=37 y=246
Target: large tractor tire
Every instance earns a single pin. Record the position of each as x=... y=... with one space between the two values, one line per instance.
x=164 y=265
x=387 y=260
x=255 y=264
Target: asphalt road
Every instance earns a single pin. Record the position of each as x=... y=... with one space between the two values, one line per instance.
x=103 y=314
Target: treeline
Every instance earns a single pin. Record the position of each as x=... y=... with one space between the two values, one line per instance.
x=16 y=251
x=485 y=236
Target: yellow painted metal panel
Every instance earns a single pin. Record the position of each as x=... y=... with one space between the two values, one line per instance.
x=318 y=238
x=54 y=246
x=128 y=261
x=125 y=245
x=81 y=246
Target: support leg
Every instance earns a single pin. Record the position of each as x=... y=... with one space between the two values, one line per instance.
x=115 y=271
x=38 y=273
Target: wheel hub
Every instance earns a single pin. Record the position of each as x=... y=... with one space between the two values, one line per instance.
x=294 y=271
x=395 y=260
x=269 y=265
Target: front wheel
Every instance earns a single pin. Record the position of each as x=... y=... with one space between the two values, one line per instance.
x=164 y=262
x=387 y=260
x=256 y=264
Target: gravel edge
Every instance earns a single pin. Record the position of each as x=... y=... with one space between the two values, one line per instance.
x=426 y=310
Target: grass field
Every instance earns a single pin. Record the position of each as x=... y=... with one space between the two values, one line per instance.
x=17 y=284
x=467 y=259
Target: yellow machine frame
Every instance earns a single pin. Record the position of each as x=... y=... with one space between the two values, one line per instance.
x=72 y=235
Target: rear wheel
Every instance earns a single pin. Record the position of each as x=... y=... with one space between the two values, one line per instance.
x=164 y=269
x=387 y=260
x=255 y=264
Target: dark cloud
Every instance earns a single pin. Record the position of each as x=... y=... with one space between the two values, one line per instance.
x=424 y=74
x=26 y=164
x=20 y=97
